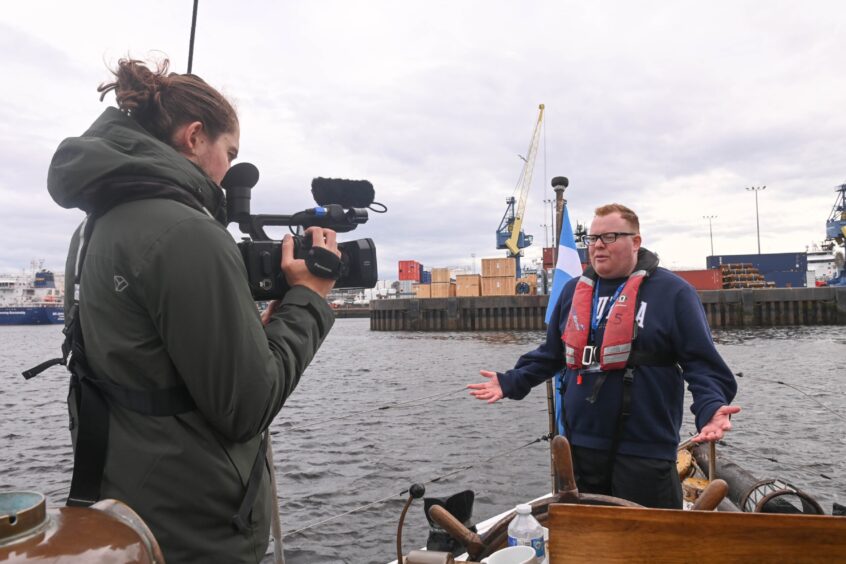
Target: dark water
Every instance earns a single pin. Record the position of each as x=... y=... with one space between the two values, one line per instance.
x=328 y=467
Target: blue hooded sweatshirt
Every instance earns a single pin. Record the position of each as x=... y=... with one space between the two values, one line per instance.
x=671 y=320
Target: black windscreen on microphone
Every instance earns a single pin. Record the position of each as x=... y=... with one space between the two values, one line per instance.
x=345 y=193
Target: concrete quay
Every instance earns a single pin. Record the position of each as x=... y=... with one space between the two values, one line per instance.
x=770 y=307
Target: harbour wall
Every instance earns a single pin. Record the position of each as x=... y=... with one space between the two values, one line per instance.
x=723 y=308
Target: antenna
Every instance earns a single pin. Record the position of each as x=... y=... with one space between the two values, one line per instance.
x=191 y=42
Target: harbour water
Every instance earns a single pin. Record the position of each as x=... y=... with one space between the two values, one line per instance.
x=377 y=411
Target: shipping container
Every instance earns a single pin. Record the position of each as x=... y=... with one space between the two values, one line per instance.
x=426 y=277
x=708 y=279
x=772 y=262
x=549 y=257
x=492 y=267
x=499 y=286
x=440 y=275
x=468 y=285
x=410 y=270
x=442 y=289
x=406 y=286
x=787 y=279
x=422 y=290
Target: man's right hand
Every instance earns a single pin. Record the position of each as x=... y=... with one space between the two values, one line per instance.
x=296 y=271
x=490 y=390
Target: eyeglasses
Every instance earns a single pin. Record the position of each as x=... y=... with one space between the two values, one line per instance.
x=606 y=238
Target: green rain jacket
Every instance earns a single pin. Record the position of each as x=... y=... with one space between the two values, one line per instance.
x=164 y=301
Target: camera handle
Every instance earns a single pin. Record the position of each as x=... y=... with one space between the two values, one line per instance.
x=332 y=216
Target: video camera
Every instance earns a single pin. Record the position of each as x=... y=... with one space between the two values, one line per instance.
x=341 y=206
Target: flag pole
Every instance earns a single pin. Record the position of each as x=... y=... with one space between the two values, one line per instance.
x=559 y=184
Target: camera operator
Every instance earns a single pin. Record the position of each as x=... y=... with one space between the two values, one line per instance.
x=178 y=367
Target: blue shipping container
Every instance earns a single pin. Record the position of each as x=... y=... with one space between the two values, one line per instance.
x=785 y=269
x=790 y=279
x=765 y=262
x=426 y=277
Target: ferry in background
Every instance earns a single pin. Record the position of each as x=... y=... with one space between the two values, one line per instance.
x=31 y=298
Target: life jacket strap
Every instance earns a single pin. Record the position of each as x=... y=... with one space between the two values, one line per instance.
x=622 y=417
x=650 y=358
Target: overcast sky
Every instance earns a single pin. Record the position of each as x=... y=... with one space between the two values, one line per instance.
x=672 y=108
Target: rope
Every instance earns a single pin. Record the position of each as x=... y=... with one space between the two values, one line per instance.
x=769 y=458
x=807 y=395
x=380 y=408
x=333 y=517
x=405 y=491
x=465 y=468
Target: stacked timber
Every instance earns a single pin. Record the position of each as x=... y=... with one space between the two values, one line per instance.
x=442 y=286
x=499 y=277
x=743 y=275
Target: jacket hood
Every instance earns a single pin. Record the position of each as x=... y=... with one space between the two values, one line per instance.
x=118 y=160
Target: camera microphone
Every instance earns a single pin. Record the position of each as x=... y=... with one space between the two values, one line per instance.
x=345 y=193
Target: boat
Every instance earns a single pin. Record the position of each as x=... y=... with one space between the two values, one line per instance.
x=733 y=518
x=31 y=298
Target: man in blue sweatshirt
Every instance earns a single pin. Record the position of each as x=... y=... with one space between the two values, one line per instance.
x=628 y=335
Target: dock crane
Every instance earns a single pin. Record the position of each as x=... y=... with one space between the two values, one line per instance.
x=510 y=233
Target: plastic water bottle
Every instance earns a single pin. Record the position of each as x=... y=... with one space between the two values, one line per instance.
x=524 y=529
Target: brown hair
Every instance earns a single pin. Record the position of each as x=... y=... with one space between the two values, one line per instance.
x=626 y=213
x=162 y=102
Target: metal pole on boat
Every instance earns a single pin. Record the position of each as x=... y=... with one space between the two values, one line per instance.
x=560 y=204
x=712 y=461
x=191 y=41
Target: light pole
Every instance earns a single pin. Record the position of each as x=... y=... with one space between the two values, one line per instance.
x=473 y=256
x=710 y=230
x=757 y=189
x=551 y=240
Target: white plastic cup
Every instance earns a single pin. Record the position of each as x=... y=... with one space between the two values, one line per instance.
x=512 y=555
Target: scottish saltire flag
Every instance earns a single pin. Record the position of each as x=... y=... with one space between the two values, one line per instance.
x=567 y=266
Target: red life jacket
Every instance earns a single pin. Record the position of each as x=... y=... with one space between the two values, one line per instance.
x=620 y=327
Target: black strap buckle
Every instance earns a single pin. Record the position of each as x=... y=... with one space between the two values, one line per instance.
x=588 y=355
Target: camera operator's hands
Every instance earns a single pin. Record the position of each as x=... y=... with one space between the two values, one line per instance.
x=267 y=314
x=296 y=271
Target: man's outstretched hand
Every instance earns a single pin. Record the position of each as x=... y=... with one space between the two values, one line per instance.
x=489 y=391
x=718 y=426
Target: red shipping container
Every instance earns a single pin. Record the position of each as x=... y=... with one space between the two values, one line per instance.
x=549 y=257
x=708 y=279
x=410 y=270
